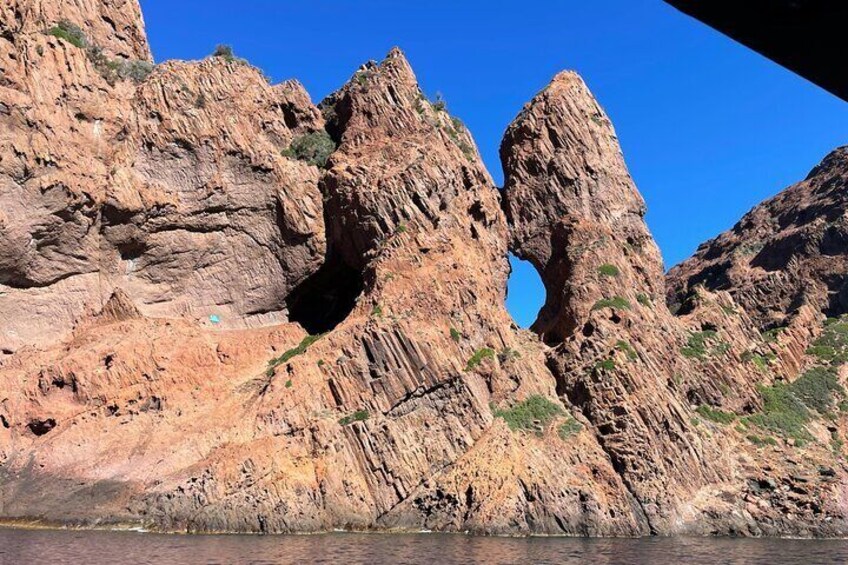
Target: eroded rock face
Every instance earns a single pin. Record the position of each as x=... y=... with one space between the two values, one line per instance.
x=575 y=214
x=174 y=189
x=208 y=216
x=787 y=253
x=383 y=422
x=565 y=176
x=363 y=372
x=115 y=25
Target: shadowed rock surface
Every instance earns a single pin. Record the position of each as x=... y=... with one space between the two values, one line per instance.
x=789 y=252
x=227 y=309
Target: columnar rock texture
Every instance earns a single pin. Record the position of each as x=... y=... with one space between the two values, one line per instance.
x=789 y=252
x=115 y=25
x=204 y=327
x=575 y=213
x=174 y=190
x=121 y=403
x=205 y=215
x=618 y=354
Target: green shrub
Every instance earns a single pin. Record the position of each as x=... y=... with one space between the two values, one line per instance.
x=439 y=105
x=315 y=148
x=836 y=444
x=786 y=407
x=761 y=362
x=361 y=78
x=716 y=415
x=832 y=346
x=770 y=336
x=400 y=229
x=568 y=428
x=626 y=348
x=698 y=342
x=729 y=310
x=111 y=69
x=69 y=32
x=377 y=311
x=291 y=353
x=721 y=348
x=607 y=364
x=358 y=416
x=643 y=299
x=607 y=270
x=536 y=411
x=288 y=383
x=133 y=69
x=783 y=413
x=114 y=70
x=478 y=357
x=508 y=353
x=695 y=346
x=818 y=388
x=750 y=248
x=454 y=131
x=226 y=53
x=455 y=335
x=823 y=352
x=617 y=302
x=762 y=441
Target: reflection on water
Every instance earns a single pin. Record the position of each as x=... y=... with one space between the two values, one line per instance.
x=21 y=547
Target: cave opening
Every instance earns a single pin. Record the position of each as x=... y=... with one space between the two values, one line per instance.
x=526 y=293
x=327 y=297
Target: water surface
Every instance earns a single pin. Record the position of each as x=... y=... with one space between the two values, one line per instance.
x=21 y=547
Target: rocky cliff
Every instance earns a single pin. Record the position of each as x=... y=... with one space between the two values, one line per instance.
x=787 y=253
x=224 y=308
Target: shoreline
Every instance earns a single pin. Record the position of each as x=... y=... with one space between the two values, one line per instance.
x=36 y=525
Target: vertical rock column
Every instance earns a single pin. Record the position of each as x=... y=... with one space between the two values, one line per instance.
x=575 y=213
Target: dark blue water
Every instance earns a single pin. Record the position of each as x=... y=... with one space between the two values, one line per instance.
x=21 y=547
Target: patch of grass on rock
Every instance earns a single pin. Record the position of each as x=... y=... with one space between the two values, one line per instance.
x=616 y=302
x=716 y=415
x=532 y=414
x=478 y=357
x=358 y=416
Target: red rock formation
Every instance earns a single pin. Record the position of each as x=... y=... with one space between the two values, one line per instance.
x=787 y=252
x=134 y=206
x=576 y=215
x=635 y=371
x=174 y=189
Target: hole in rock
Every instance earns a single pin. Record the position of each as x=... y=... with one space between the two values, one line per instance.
x=325 y=299
x=525 y=292
x=41 y=427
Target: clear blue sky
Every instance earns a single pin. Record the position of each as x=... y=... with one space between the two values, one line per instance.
x=709 y=128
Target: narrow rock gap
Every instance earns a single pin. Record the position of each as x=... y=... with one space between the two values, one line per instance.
x=328 y=296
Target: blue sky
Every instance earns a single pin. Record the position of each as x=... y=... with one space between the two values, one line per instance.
x=708 y=128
